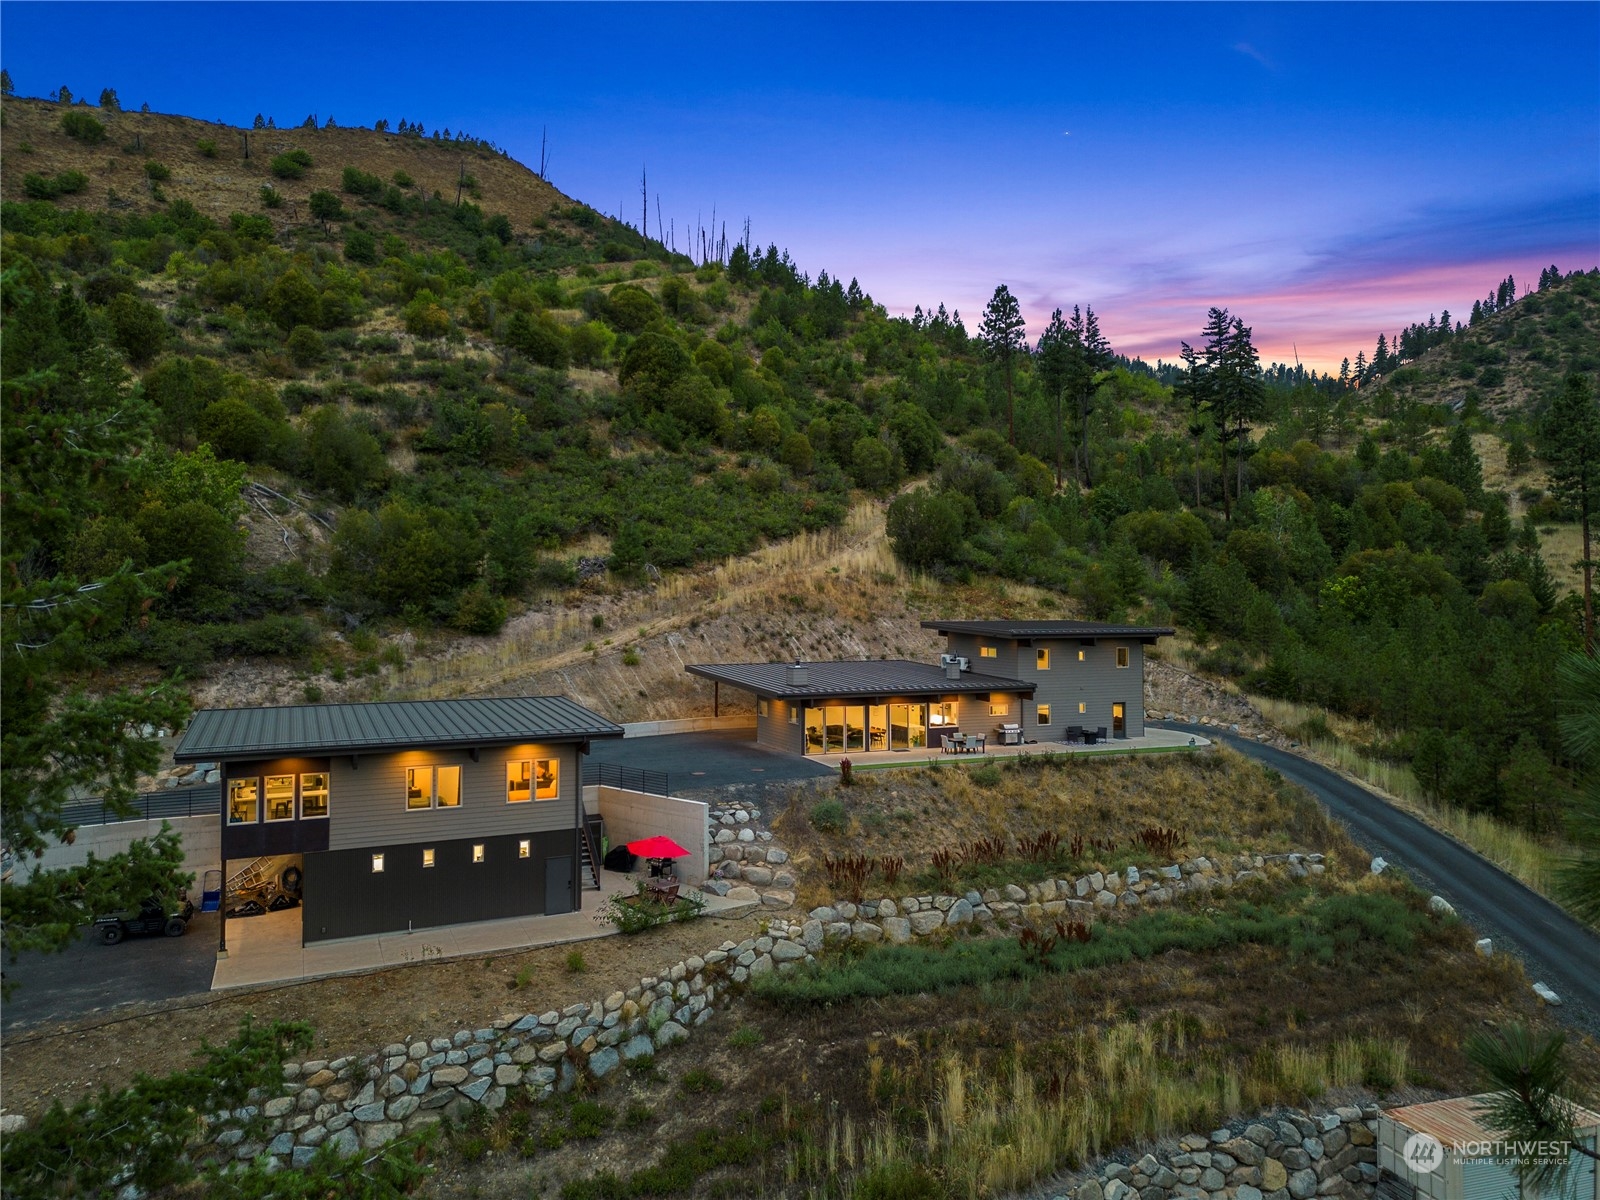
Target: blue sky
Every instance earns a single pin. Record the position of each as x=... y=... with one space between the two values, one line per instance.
x=1327 y=171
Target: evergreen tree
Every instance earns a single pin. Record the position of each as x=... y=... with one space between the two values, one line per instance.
x=1002 y=334
x=259 y=123
x=64 y=96
x=109 y=101
x=1191 y=388
x=1571 y=437
x=1466 y=469
x=1477 y=313
x=1053 y=361
x=7 y=88
x=1093 y=357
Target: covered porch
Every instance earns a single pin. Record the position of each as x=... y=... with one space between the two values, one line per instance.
x=1154 y=740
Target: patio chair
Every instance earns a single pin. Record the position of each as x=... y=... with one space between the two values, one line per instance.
x=1074 y=733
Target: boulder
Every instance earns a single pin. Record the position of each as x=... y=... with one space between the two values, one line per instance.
x=1440 y=907
x=897 y=929
x=1273 y=1175
x=1303 y=1184
x=602 y=1062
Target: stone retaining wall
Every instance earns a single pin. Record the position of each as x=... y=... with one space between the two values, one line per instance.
x=1289 y=1156
x=360 y=1103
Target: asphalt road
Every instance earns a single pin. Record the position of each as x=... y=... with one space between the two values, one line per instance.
x=1554 y=948
x=709 y=759
x=89 y=977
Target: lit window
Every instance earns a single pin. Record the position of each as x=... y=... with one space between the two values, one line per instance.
x=519 y=781
x=1041 y=659
x=1080 y=655
x=1122 y=656
x=546 y=779
x=427 y=858
x=419 y=787
x=794 y=714
x=1082 y=708
x=761 y=708
x=988 y=652
x=477 y=852
x=524 y=848
x=280 y=797
x=314 y=795
x=377 y=864
x=448 y=787
x=999 y=705
x=1044 y=714
x=242 y=797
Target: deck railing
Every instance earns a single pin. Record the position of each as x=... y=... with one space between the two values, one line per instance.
x=200 y=800
x=634 y=779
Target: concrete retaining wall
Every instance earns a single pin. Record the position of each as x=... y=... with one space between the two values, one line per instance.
x=639 y=729
x=630 y=816
x=202 y=844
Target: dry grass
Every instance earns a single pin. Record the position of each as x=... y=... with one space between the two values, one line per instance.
x=230 y=183
x=1220 y=801
x=1528 y=858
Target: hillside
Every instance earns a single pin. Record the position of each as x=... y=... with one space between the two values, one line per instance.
x=1511 y=362
x=348 y=438
x=222 y=180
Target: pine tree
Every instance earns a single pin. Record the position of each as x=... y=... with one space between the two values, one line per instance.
x=259 y=123
x=64 y=96
x=7 y=88
x=1095 y=354
x=109 y=101
x=1191 y=388
x=1053 y=360
x=1361 y=366
x=1477 y=313
x=1571 y=437
x=1002 y=334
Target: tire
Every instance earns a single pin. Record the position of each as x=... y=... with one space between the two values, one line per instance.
x=174 y=927
x=291 y=879
x=111 y=934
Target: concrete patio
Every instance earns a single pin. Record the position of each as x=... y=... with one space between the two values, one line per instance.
x=1154 y=740
x=267 y=949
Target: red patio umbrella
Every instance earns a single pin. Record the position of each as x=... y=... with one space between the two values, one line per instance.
x=657 y=847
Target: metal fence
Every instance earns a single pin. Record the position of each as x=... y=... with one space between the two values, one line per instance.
x=635 y=779
x=201 y=800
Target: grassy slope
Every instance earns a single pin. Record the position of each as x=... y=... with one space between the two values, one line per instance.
x=231 y=183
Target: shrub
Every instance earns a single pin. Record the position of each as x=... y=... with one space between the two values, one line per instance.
x=828 y=816
x=83 y=127
x=291 y=165
x=480 y=611
x=987 y=776
x=636 y=913
x=400 y=179
x=137 y=327
x=207 y=148
x=271 y=197
x=305 y=346
x=40 y=187
x=425 y=317
x=360 y=246
x=156 y=172
x=360 y=183
x=575 y=962
x=325 y=206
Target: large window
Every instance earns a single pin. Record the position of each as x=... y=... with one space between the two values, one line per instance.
x=1043 y=716
x=999 y=704
x=433 y=787
x=243 y=796
x=314 y=795
x=1041 y=659
x=532 y=779
x=280 y=797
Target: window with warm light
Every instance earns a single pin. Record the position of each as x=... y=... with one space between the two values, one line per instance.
x=1043 y=714
x=314 y=795
x=524 y=848
x=1122 y=656
x=546 y=779
x=999 y=705
x=1082 y=708
x=280 y=797
x=427 y=858
x=762 y=708
x=519 y=781
x=243 y=795
x=433 y=787
x=1080 y=655
x=1041 y=659
x=477 y=852
x=988 y=652
x=377 y=864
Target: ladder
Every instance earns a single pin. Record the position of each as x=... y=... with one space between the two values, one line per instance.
x=255 y=872
x=587 y=859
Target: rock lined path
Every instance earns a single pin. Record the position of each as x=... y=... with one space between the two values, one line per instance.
x=1555 y=949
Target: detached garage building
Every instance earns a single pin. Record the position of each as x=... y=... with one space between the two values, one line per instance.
x=411 y=814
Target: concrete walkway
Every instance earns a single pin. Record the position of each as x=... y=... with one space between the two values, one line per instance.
x=267 y=949
x=1154 y=739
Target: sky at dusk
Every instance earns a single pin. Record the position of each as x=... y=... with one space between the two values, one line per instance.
x=1328 y=172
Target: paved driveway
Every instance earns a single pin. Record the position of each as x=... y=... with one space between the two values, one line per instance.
x=89 y=977
x=1555 y=949
x=708 y=759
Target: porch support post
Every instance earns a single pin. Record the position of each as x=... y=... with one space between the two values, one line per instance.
x=716 y=698
x=222 y=915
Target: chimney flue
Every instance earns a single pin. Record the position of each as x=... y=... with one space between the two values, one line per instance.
x=797 y=675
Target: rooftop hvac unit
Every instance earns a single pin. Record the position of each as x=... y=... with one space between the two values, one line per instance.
x=955 y=660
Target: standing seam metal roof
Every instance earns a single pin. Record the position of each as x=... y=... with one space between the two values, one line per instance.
x=864 y=678
x=219 y=733
x=1048 y=629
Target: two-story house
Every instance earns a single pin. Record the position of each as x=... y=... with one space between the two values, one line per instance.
x=1042 y=677
x=409 y=814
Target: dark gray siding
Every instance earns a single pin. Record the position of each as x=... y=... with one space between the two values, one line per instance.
x=367 y=803
x=344 y=897
x=774 y=730
x=1096 y=683
x=970 y=647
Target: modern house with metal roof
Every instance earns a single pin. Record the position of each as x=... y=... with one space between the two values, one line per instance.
x=1013 y=681
x=407 y=815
